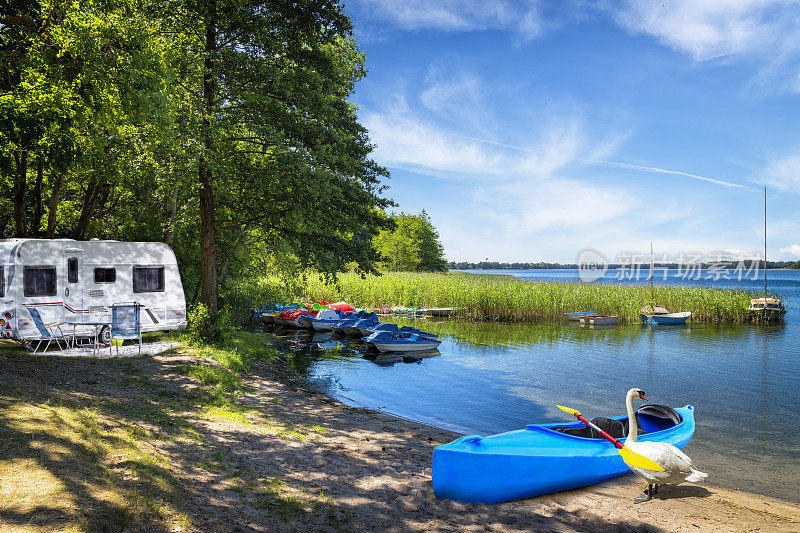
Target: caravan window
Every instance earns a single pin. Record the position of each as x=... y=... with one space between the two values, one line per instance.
x=148 y=279
x=39 y=281
x=2 y=282
x=105 y=275
x=72 y=270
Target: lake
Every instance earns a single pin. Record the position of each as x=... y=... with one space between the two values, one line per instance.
x=743 y=380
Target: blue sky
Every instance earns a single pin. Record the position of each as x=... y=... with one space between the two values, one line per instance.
x=530 y=130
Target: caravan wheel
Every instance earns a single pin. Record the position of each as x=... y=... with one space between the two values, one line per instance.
x=104 y=338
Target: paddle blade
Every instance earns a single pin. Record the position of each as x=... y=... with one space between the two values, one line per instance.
x=569 y=410
x=638 y=460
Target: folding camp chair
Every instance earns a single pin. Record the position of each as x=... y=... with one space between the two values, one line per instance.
x=125 y=324
x=47 y=332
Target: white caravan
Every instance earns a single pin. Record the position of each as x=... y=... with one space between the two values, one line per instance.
x=78 y=281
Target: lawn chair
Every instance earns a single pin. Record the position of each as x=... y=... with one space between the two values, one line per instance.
x=47 y=332
x=125 y=324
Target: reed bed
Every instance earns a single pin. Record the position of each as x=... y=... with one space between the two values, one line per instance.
x=503 y=298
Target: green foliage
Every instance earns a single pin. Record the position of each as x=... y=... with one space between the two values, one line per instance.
x=201 y=325
x=412 y=245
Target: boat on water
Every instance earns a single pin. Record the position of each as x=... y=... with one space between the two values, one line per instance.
x=325 y=319
x=398 y=341
x=576 y=316
x=647 y=313
x=670 y=319
x=599 y=320
x=545 y=458
x=394 y=328
x=767 y=309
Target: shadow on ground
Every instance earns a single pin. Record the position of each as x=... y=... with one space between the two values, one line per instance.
x=140 y=445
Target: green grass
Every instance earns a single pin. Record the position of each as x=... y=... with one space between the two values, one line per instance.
x=505 y=298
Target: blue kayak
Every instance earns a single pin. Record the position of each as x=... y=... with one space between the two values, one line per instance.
x=544 y=458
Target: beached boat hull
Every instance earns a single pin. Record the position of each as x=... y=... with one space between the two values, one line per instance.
x=537 y=460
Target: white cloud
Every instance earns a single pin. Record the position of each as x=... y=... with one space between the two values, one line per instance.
x=455 y=94
x=455 y=15
x=712 y=28
x=764 y=30
x=406 y=140
x=792 y=251
x=523 y=207
x=783 y=174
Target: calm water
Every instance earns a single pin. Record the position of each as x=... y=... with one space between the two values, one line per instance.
x=744 y=381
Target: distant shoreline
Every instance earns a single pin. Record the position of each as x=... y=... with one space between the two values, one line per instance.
x=656 y=266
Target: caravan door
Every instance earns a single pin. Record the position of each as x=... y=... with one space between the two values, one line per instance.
x=74 y=311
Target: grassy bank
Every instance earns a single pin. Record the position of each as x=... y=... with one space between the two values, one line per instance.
x=506 y=298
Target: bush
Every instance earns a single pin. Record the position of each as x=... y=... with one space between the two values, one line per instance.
x=202 y=328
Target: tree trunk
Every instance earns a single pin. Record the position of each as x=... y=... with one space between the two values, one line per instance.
x=52 y=207
x=86 y=211
x=208 y=244
x=93 y=201
x=37 y=199
x=18 y=194
x=169 y=232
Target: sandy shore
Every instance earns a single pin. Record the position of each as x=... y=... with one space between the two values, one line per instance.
x=379 y=466
x=300 y=461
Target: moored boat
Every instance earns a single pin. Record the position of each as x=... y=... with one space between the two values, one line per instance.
x=767 y=309
x=545 y=458
x=389 y=341
x=576 y=316
x=671 y=319
x=599 y=320
x=648 y=312
x=325 y=319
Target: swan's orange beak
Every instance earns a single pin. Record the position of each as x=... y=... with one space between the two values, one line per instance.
x=642 y=396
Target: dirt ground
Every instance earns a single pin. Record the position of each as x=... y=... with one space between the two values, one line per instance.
x=151 y=444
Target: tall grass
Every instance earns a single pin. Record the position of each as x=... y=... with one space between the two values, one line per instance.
x=505 y=298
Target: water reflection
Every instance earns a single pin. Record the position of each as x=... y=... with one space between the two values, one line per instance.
x=309 y=347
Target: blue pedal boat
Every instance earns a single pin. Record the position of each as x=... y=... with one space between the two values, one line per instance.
x=541 y=459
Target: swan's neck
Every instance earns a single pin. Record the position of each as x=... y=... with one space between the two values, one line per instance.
x=633 y=425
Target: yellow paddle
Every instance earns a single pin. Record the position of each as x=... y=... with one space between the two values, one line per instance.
x=632 y=458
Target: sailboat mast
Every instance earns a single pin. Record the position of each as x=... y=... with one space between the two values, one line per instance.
x=765 y=241
x=652 y=300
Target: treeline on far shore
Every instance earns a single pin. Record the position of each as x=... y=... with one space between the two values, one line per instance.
x=729 y=265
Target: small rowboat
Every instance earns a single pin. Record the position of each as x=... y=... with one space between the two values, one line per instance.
x=670 y=319
x=577 y=315
x=599 y=320
x=541 y=458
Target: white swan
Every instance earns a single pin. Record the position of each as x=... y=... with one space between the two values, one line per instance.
x=677 y=465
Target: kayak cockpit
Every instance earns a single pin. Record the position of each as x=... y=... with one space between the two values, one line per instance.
x=651 y=417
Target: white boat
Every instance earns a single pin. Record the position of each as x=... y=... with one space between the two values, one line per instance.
x=599 y=320
x=387 y=341
x=324 y=320
x=671 y=319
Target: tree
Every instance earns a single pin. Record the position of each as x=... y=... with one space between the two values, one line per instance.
x=412 y=245
x=280 y=155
